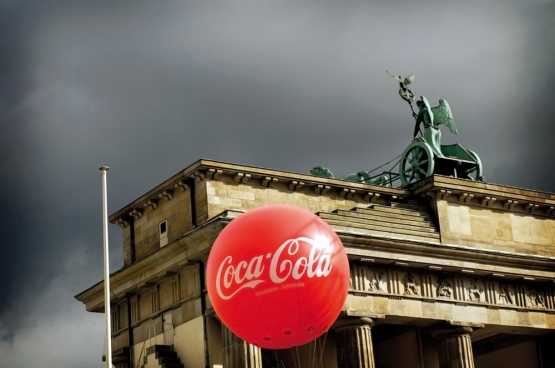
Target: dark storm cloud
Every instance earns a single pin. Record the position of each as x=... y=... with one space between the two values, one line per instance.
x=148 y=89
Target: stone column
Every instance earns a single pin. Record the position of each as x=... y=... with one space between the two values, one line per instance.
x=455 y=347
x=354 y=343
x=238 y=353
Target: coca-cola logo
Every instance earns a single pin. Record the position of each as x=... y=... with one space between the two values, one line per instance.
x=277 y=276
x=286 y=262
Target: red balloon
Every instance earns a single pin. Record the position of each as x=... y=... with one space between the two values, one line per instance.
x=278 y=276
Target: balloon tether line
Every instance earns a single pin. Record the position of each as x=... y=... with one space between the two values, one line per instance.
x=321 y=360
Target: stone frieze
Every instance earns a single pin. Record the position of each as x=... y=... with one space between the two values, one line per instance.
x=432 y=285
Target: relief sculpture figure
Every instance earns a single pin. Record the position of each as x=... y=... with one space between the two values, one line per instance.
x=376 y=280
x=474 y=292
x=536 y=298
x=444 y=289
x=411 y=287
x=505 y=294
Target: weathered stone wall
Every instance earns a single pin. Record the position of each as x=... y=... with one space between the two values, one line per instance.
x=201 y=202
x=225 y=194
x=496 y=228
x=177 y=212
x=190 y=346
x=179 y=294
x=126 y=232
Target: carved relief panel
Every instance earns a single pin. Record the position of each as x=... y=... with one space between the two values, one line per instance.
x=411 y=283
x=475 y=290
x=444 y=287
x=429 y=284
x=535 y=297
x=368 y=278
x=506 y=294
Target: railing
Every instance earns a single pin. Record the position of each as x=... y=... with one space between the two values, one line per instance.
x=150 y=336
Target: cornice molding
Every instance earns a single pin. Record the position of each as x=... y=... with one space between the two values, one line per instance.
x=447 y=257
x=480 y=194
x=214 y=170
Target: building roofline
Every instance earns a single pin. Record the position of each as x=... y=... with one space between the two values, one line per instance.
x=486 y=194
x=465 y=191
x=484 y=188
x=211 y=169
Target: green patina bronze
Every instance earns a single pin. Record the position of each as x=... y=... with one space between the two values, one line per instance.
x=425 y=155
x=364 y=177
x=359 y=177
x=322 y=172
x=431 y=118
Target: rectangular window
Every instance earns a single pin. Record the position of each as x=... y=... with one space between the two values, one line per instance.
x=163 y=231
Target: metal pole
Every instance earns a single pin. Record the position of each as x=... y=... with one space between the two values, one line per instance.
x=107 y=313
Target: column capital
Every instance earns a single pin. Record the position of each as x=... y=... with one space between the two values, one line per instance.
x=455 y=346
x=450 y=331
x=352 y=322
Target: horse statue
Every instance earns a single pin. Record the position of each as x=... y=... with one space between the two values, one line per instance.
x=359 y=177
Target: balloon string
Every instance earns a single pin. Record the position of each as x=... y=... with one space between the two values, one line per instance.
x=313 y=352
x=321 y=359
x=265 y=357
x=277 y=359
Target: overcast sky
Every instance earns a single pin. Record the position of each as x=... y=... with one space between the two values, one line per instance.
x=149 y=87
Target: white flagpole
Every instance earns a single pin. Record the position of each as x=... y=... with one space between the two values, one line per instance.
x=107 y=313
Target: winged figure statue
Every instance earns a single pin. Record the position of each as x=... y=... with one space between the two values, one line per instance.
x=431 y=118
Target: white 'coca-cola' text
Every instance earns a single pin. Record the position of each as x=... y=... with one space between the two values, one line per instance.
x=246 y=274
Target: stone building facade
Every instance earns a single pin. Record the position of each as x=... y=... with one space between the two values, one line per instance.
x=449 y=273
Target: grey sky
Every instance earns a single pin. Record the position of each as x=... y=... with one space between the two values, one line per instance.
x=149 y=87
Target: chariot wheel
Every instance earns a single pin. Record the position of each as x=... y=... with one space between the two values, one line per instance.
x=477 y=172
x=417 y=163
